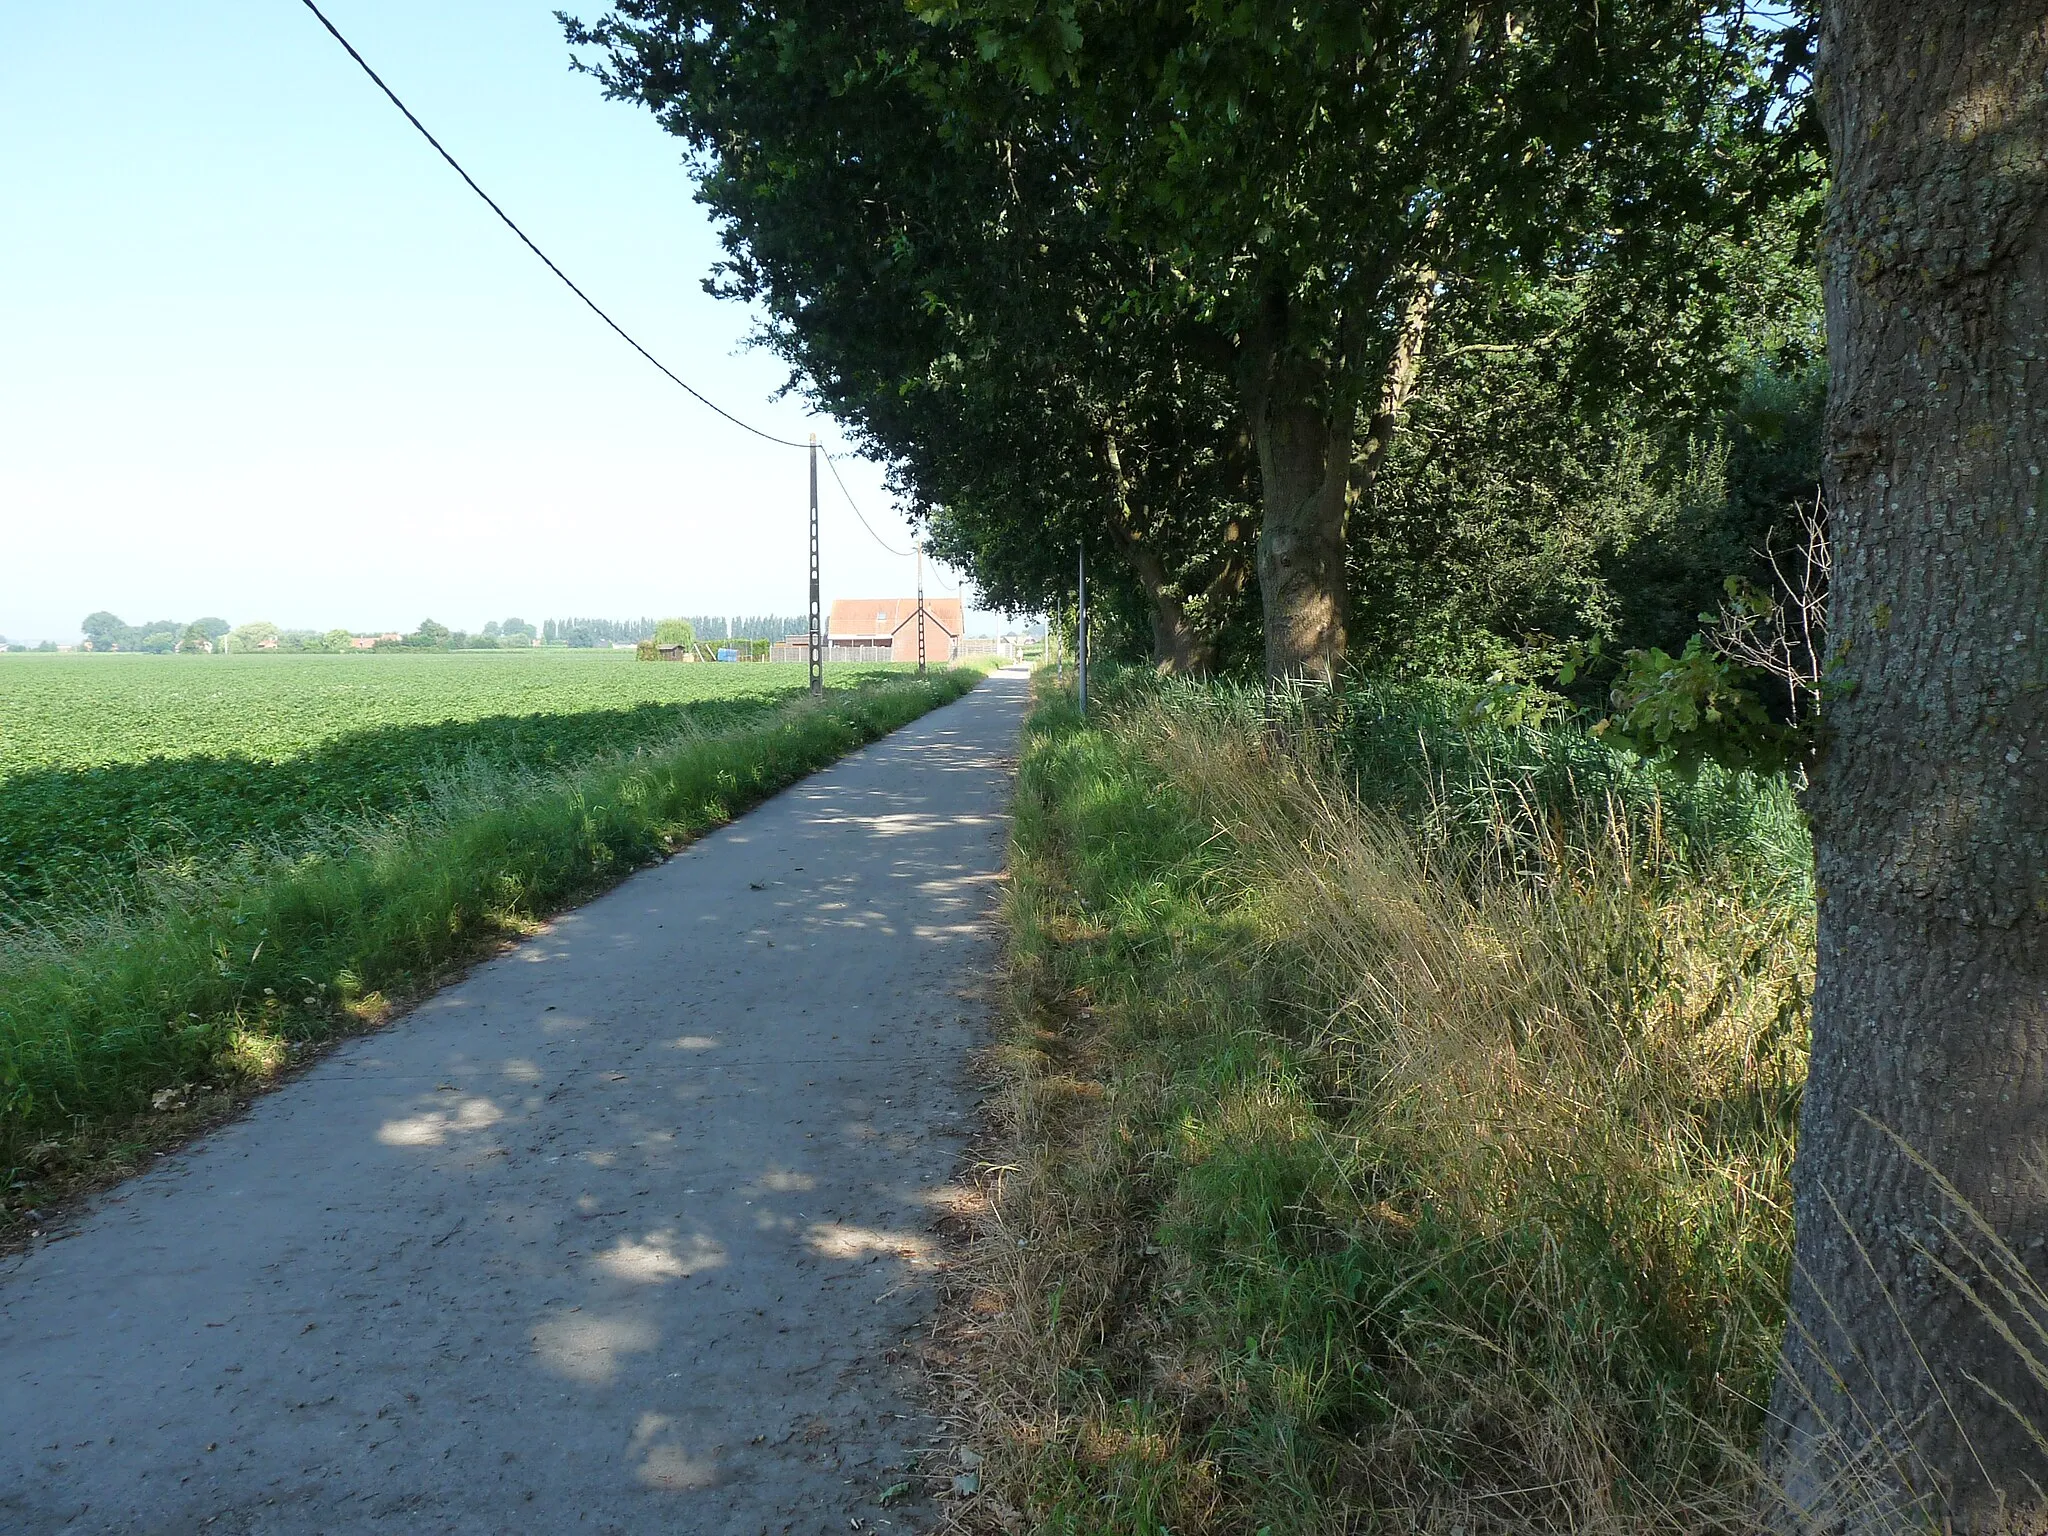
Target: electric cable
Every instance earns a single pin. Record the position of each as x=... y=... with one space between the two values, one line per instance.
x=952 y=587
x=526 y=240
x=901 y=554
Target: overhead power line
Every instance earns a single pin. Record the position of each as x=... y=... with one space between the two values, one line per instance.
x=570 y=283
x=527 y=241
x=901 y=554
x=952 y=587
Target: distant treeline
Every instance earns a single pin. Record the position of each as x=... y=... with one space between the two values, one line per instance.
x=603 y=632
x=752 y=626
x=591 y=633
x=105 y=631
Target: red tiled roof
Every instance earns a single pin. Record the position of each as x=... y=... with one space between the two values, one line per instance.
x=879 y=618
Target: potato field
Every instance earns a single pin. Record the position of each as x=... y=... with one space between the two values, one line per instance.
x=112 y=767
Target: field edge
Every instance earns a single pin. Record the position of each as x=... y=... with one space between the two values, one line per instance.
x=122 y=1050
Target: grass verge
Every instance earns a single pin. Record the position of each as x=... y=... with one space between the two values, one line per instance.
x=1410 y=1163
x=118 y=1038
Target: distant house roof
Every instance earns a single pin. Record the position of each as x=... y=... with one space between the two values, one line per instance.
x=879 y=618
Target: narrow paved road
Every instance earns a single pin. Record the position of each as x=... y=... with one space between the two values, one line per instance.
x=622 y=1233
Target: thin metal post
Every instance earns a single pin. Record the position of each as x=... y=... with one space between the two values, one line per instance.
x=1081 y=631
x=919 y=547
x=817 y=620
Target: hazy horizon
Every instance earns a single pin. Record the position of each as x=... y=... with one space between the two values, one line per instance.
x=980 y=622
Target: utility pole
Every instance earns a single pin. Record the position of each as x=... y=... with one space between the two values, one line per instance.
x=817 y=622
x=1081 y=631
x=918 y=546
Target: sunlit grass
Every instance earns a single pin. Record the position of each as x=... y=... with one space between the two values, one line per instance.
x=1409 y=1163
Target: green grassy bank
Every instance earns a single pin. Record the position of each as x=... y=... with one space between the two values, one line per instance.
x=1394 y=1124
x=106 y=1030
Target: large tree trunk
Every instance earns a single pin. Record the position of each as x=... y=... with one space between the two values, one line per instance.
x=1304 y=445
x=1309 y=481
x=1177 y=647
x=1920 y=1207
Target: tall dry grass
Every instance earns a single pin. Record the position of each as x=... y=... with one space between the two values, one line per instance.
x=1374 y=1167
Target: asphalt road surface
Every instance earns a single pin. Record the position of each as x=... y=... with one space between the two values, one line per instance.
x=624 y=1232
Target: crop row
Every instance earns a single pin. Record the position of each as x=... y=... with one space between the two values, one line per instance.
x=114 y=769
x=70 y=836
x=84 y=711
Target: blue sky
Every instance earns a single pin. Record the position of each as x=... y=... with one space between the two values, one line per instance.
x=262 y=355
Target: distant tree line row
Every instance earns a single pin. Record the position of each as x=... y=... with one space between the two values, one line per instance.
x=750 y=626
x=577 y=633
x=104 y=631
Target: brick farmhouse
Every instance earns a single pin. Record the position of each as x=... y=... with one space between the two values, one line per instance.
x=885 y=629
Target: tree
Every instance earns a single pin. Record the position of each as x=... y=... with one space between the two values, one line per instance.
x=1912 y=1391
x=674 y=632
x=429 y=636
x=212 y=628
x=195 y=639
x=257 y=635
x=103 y=631
x=925 y=266
x=1317 y=177
x=516 y=629
x=1543 y=485
x=1027 y=247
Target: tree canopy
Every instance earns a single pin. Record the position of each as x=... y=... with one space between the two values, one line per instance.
x=1169 y=280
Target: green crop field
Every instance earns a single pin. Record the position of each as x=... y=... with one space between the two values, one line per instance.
x=79 y=711
x=110 y=765
x=207 y=863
